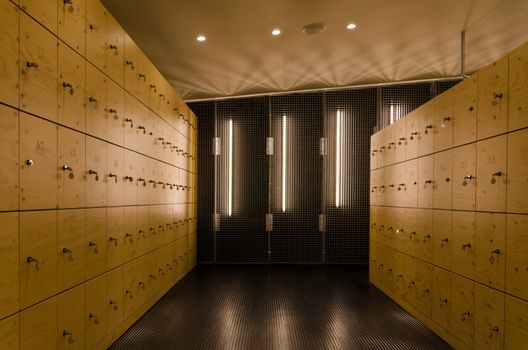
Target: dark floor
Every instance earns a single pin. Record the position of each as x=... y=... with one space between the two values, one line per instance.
x=277 y=307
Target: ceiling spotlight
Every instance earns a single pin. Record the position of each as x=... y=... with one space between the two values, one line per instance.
x=351 y=26
x=201 y=38
x=276 y=31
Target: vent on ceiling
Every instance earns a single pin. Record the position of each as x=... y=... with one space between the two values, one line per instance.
x=314 y=28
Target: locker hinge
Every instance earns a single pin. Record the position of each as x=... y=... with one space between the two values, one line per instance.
x=216 y=146
x=216 y=222
x=269 y=222
x=269 y=146
x=322 y=146
x=322 y=223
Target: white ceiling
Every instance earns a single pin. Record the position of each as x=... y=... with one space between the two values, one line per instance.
x=395 y=40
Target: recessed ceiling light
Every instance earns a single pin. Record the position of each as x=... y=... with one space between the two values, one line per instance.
x=201 y=38
x=276 y=31
x=351 y=26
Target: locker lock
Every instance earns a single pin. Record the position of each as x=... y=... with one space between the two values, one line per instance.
x=467 y=177
x=92 y=26
x=471 y=108
x=68 y=333
x=93 y=245
x=152 y=277
x=31 y=64
x=153 y=182
x=444 y=242
x=402 y=139
x=444 y=300
x=29 y=162
x=112 y=47
x=93 y=172
x=129 y=178
x=68 y=2
x=92 y=99
x=465 y=315
x=447 y=179
x=129 y=293
x=428 y=181
x=142 y=128
x=445 y=121
x=94 y=318
x=411 y=234
x=427 y=128
x=142 y=285
x=413 y=134
x=66 y=250
x=114 y=305
x=401 y=186
x=129 y=63
x=374 y=152
x=466 y=245
x=391 y=144
x=497 y=95
x=152 y=86
x=68 y=86
x=497 y=174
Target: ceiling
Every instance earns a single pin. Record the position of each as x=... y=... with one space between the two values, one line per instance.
x=394 y=41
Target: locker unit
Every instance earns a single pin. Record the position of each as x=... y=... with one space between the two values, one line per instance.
x=9 y=333
x=71 y=108
x=489 y=318
x=9 y=53
x=71 y=318
x=72 y=24
x=72 y=251
x=518 y=89
x=491 y=174
x=442 y=180
x=517 y=250
x=517 y=172
x=490 y=241
x=72 y=169
x=9 y=156
x=516 y=325
x=9 y=245
x=443 y=121
x=464 y=177
x=465 y=111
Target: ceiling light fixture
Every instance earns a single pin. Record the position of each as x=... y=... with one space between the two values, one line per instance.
x=201 y=38
x=314 y=28
x=351 y=26
x=276 y=31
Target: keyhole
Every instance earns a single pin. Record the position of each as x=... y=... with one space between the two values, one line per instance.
x=71 y=9
x=71 y=176
x=493 y=181
x=96 y=177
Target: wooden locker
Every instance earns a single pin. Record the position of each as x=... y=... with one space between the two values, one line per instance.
x=425 y=182
x=44 y=11
x=489 y=318
x=9 y=158
x=115 y=50
x=464 y=177
x=38 y=326
x=374 y=222
x=425 y=129
x=490 y=252
x=96 y=312
x=491 y=174
x=518 y=88
x=143 y=180
x=9 y=266
x=131 y=285
x=95 y=172
x=465 y=111
x=72 y=24
x=442 y=238
x=71 y=318
x=71 y=89
x=72 y=250
x=423 y=279
x=443 y=121
x=143 y=229
x=374 y=187
x=423 y=239
x=516 y=323
x=10 y=333
x=115 y=112
x=115 y=306
x=96 y=102
x=9 y=53
x=374 y=149
x=95 y=242
x=493 y=99
x=115 y=237
x=131 y=75
x=96 y=33
x=517 y=172
x=441 y=298
x=72 y=169
x=443 y=180
x=132 y=239
x=400 y=138
x=133 y=137
x=516 y=253
x=131 y=163
x=38 y=69
x=114 y=175
x=463 y=308
x=463 y=244
x=409 y=189
x=38 y=256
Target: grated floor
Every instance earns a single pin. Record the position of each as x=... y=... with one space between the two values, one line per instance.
x=277 y=307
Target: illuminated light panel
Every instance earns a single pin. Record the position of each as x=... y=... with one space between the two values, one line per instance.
x=230 y=170
x=284 y=163
x=338 y=160
x=201 y=38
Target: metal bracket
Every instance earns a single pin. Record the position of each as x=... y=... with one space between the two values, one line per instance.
x=216 y=222
x=322 y=223
x=269 y=146
x=216 y=146
x=322 y=146
x=269 y=222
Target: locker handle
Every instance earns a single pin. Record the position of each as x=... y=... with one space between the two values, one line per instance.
x=68 y=2
x=160 y=270
x=445 y=121
x=153 y=182
x=142 y=128
x=466 y=245
x=111 y=110
x=428 y=181
x=498 y=174
x=92 y=26
x=444 y=300
x=66 y=168
x=129 y=293
x=112 y=47
x=413 y=233
x=152 y=277
x=170 y=185
x=399 y=276
x=31 y=64
x=391 y=185
x=400 y=230
x=129 y=178
x=390 y=228
x=141 y=231
x=427 y=237
x=391 y=144
x=426 y=291
x=400 y=186
x=497 y=95
x=389 y=270
x=94 y=318
x=114 y=305
x=113 y=239
x=143 y=76
x=444 y=241
x=114 y=176
x=161 y=227
x=142 y=285
x=160 y=138
x=152 y=86
x=166 y=143
x=447 y=179
x=129 y=63
x=496 y=251
x=469 y=177
x=31 y=259
x=66 y=250
x=413 y=134
x=128 y=235
x=400 y=140
x=465 y=315
x=169 y=267
x=29 y=162
x=494 y=329
x=471 y=108
x=161 y=183
x=129 y=120
x=67 y=85
x=427 y=128
x=93 y=172
x=141 y=180
x=162 y=96
x=92 y=99
x=66 y=333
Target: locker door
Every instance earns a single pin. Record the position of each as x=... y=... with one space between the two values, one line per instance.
x=374 y=222
x=465 y=111
x=95 y=172
x=38 y=71
x=491 y=174
x=143 y=229
x=423 y=240
x=9 y=158
x=9 y=51
x=490 y=250
x=115 y=306
x=390 y=144
x=115 y=50
x=132 y=239
x=114 y=175
x=96 y=308
x=463 y=308
x=374 y=151
x=115 y=237
x=131 y=163
x=38 y=163
x=95 y=242
x=400 y=140
x=72 y=169
x=374 y=187
x=516 y=319
x=489 y=318
x=71 y=89
x=133 y=137
x=44 y=11
x=38 y=326
x=441 y=298
x=72 y=250
x=493 y=99
x=71 y=319
x=96 y=30
x=9 y=333
x=423 y=287
x=9 y=270
x=517 y=171
x=38 y=256
x=142 y=180
x=443 y=121
x=96 y=101
x=443 y=180
x=411 y=137
x=463 y=247
x=115 y=112
x=131 y=66
x=517 y=251
x=425 y=129
x=409 y=189
x=72 y=24
x=518 y=88
x=464 y=173
x=442 y=238
x=131 y=280
x=425 y=182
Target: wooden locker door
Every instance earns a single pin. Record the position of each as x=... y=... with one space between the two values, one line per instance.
x=9 y=158
x=425 y=129
x=115 y=111
x=463 y=247
x=44 y=11
x=71 y=89
x=131 y=76
x=38 y=326
x=490 y=258
x=443 y=180
x=400 y=139
x=115 y=306
x=38 y=70
x=96 y=31
x=9 y=268
x=96 y=101
x=95 y=172
x=493 y=99
x=441 y=298
x=132 y=238
x=374 y=186
x=442 y=238
x=517 y=172
x=115 y=50
x=95 y=242
x=115 y=249
x=374 y=151
x=409 y=281
x=71 y=318
x=409 y=189
x=516 y=327
x=131 y=281
x=143 y=229
x=489 y=318
x=114 y=176
x=382 y=148
x=72 y=250
x=72 y=24
x=153 y=180
x=464 y=174
x=423 y=279
x=9 y=53
x=491 y=174
x=463 y=308
x=425 y=182
x=465 y=111
x=132 y=119
x=443 y=121
x=10 y=333
x=72 y=169
x=518 y=88
x=131 y=163
x=143 y=180
x=411 y=137
x=38 y=256
x=516 y=253
x=96 y=312
x=374 y=221
x=423 y=239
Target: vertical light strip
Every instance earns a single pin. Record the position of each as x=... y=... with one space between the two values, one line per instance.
x=230 y=170
x=392 y=113
x=338 y=159
x=284 y=146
